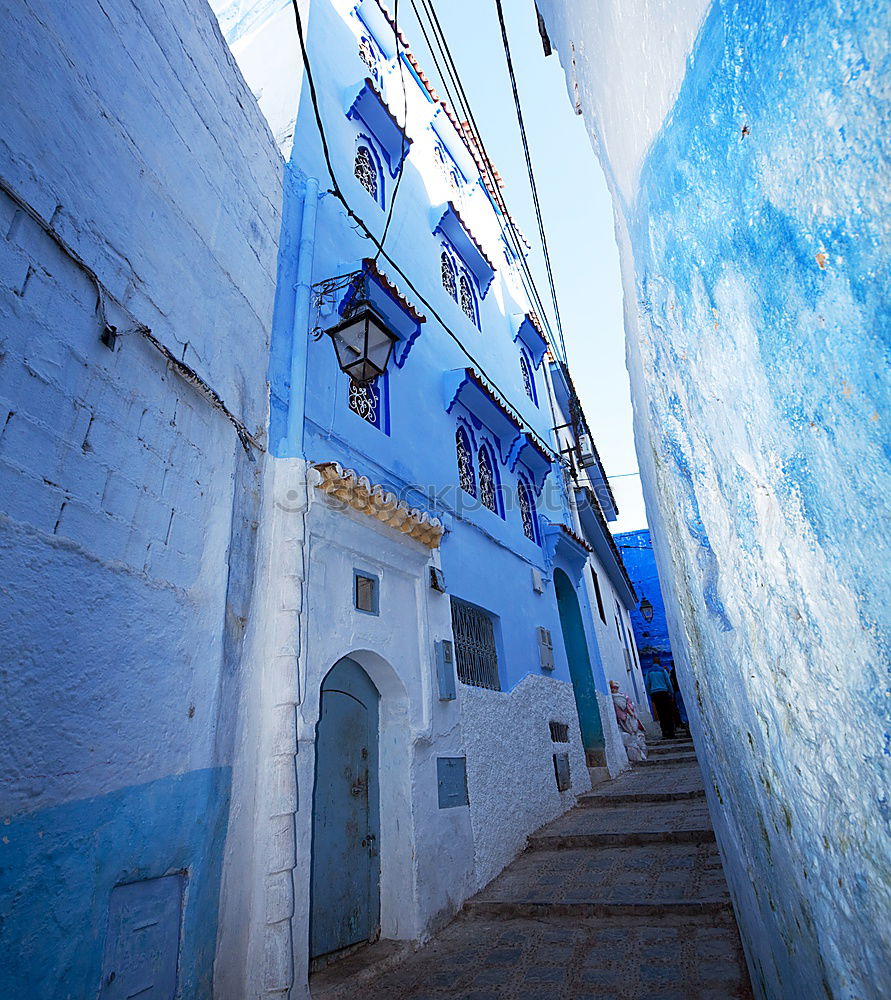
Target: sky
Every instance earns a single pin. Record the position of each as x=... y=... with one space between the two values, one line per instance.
x=575 y=203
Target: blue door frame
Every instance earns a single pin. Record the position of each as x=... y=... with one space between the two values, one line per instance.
x=576 y=646
x=345 y=880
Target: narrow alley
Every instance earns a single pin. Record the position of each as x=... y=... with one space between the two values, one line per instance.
x=621 y=898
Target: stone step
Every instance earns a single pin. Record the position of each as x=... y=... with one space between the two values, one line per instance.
x=598 y=800
x=669 y=909
x=629 y=839
x=669 y=955
x=663 y=873
x=687 y=821
x=680 y=758
x=671 y=746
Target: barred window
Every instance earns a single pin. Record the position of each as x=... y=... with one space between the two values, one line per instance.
x=449 y=277
x=468 y=303
x=527 y=510
x=465 y=463
x=476 y=655
x=365 y=170
x=487 y=480
x=527 y=377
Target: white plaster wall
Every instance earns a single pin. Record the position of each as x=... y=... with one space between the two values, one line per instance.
x=263 y=37
x=624 y=64
x=510 y=766
x=426 y=852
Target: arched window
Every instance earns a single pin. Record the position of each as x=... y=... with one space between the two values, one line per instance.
x=449 y=277
x=465 y=462
x=366 y=171
x=487 y=480
x=527 y=510
x=367 y=54
x=527 y=377
x=468 y=302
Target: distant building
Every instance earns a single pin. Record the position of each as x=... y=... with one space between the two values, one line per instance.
x=636 y=548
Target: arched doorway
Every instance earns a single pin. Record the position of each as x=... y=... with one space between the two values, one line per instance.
x=345 y=879
x=576 y=646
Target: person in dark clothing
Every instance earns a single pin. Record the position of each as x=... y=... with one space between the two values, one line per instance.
x=661 y=692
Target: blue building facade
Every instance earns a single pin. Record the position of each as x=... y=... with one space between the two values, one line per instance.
x=653 y=640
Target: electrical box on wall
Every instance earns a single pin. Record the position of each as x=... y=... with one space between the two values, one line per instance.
x=537 y=584
x=445 y=670
x=545 y=648
x=561 y=772
x=451 y=781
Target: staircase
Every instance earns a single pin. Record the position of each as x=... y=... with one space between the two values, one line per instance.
x=622 y=898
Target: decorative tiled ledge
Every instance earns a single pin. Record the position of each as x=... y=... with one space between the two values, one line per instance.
x=362 y=495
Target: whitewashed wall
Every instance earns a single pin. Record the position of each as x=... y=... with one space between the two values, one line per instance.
x=128 y=502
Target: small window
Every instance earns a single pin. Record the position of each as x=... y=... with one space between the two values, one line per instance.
x=369 y=401
x=475 y=652
x=365 y=593
x=528 y=378
x=598 y=595
x=368 y=54
x=468 y=299
x=449 y=275
x=366 y=171
x=527 y=510
x=465 y=463
x=559 y=731
x=487 y=480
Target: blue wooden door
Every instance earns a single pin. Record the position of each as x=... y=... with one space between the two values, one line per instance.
x=345 y=891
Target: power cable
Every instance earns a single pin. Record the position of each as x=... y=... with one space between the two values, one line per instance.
x=403 y=150
x=458 y=97
x=532 y=184
x=337 y=193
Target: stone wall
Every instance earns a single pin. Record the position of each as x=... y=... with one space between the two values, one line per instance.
x=749 y=166
x=140 y=189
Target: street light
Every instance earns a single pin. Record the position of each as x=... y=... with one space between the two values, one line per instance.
x=362 y=341
x=646 y=609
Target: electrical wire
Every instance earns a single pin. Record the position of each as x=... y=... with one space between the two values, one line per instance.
x=458 y=98
x=351 y=213
x=532 y=184
x=404 y=150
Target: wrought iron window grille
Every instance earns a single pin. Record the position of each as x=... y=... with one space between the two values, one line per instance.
x=366 y=171
x=468 y=300
x=366 y=402
x=476 y=654
x=466 y=477
x=449 y=275
x=527 y=511
x=488 y=492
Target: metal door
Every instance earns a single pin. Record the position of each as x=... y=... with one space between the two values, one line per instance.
x=345 y=892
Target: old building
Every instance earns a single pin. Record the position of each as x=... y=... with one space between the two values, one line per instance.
x=648 y=620
x=464 y=600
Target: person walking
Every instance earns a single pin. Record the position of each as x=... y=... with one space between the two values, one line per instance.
x=660 y=690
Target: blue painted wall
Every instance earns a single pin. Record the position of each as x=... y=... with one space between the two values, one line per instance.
x=761 y=245
x=636 y=548
x=58 y=867
x=486 y=557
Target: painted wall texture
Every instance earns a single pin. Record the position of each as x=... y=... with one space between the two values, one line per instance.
x=752 y=220
x=127 y=498
x=652 y=637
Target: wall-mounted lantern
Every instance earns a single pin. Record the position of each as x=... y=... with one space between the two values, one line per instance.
x=646 y=610
x=363 y=341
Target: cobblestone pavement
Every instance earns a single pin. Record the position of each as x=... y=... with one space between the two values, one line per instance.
x=607 y=903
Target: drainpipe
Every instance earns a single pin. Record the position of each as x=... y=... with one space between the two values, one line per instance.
x=300 y=331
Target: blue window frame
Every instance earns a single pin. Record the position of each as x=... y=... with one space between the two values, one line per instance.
x=528 y=512
x=527 y=372
x=371 y=401
x=367 y=168
x=490 y=487
x=366 y=592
